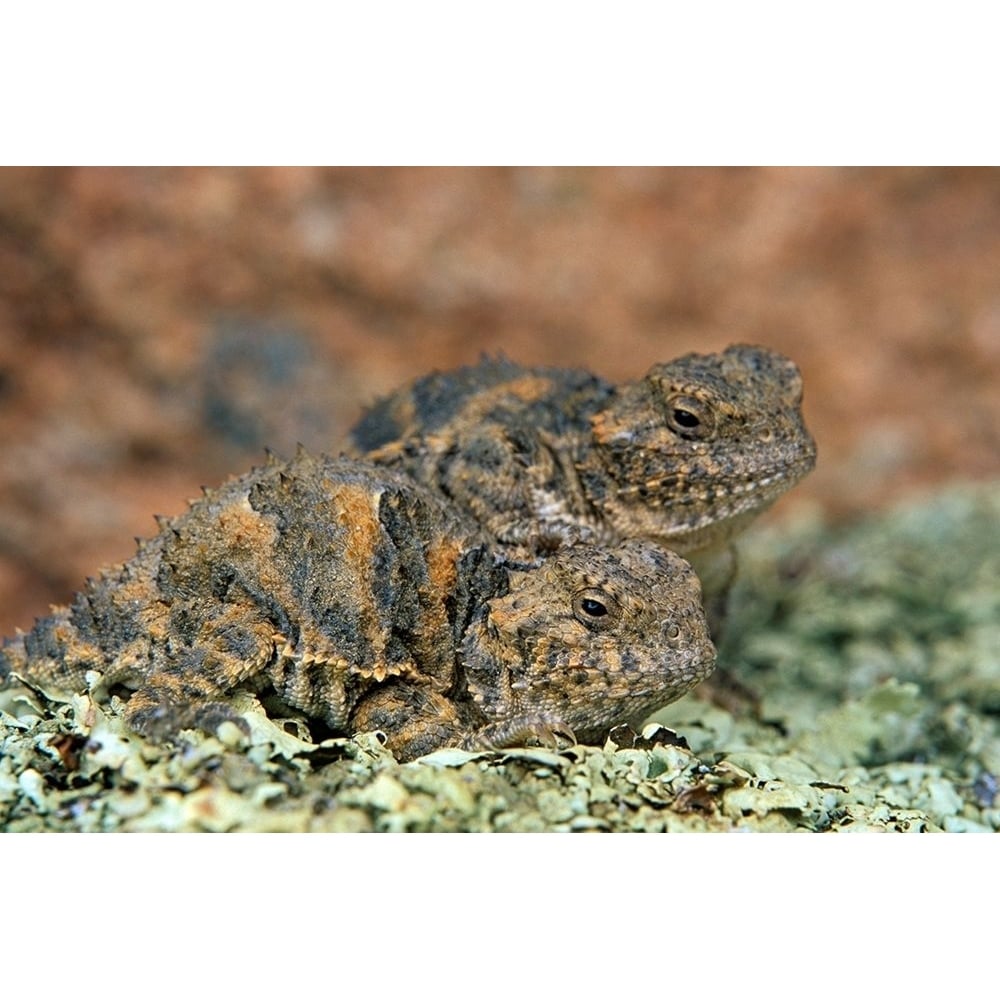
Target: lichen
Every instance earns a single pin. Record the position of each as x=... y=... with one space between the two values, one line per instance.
x=874 y=650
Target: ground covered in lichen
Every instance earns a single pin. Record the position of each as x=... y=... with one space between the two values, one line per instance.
x=874 y=650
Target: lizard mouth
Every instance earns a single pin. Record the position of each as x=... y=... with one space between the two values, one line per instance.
x=735 y=495
x=678 y=507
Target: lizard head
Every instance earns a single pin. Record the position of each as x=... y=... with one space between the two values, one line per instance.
x=589 y=638
x=700 y=446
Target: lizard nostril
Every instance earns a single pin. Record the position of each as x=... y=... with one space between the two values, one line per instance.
x=670 y=631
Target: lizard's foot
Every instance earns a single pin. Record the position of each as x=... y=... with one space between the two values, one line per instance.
x=530 y=731
x=158 y=720
x=209 y=717
x=415 y=719
x=726 y=691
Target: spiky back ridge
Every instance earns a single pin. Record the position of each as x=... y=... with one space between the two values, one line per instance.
x=322 y=576
x=494 y=391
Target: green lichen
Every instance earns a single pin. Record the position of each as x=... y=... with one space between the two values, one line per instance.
x=874 y=650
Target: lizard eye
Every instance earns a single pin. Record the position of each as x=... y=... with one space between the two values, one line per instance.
x=595 y=609
x=689 y=417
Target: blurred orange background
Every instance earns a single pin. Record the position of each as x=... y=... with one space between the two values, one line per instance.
x=160 y=327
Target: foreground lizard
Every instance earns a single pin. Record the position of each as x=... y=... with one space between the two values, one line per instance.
x=365 y=601
x=541 y=458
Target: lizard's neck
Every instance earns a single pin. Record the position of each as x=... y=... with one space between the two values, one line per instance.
x=573 y=463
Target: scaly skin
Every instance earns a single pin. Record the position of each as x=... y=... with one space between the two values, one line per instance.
x=542 y=458
x=363 y=600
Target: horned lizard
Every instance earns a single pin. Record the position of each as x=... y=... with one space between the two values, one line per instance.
x=364 y=600
x=543 y=457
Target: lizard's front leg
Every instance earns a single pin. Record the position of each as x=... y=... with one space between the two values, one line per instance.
x=528 y=730
x=184 y=686
x=415 y=719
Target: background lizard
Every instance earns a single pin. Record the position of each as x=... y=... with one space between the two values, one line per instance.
x=543 y=457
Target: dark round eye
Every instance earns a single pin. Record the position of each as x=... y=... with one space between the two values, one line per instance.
x=595 y=608
x=689 y=417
